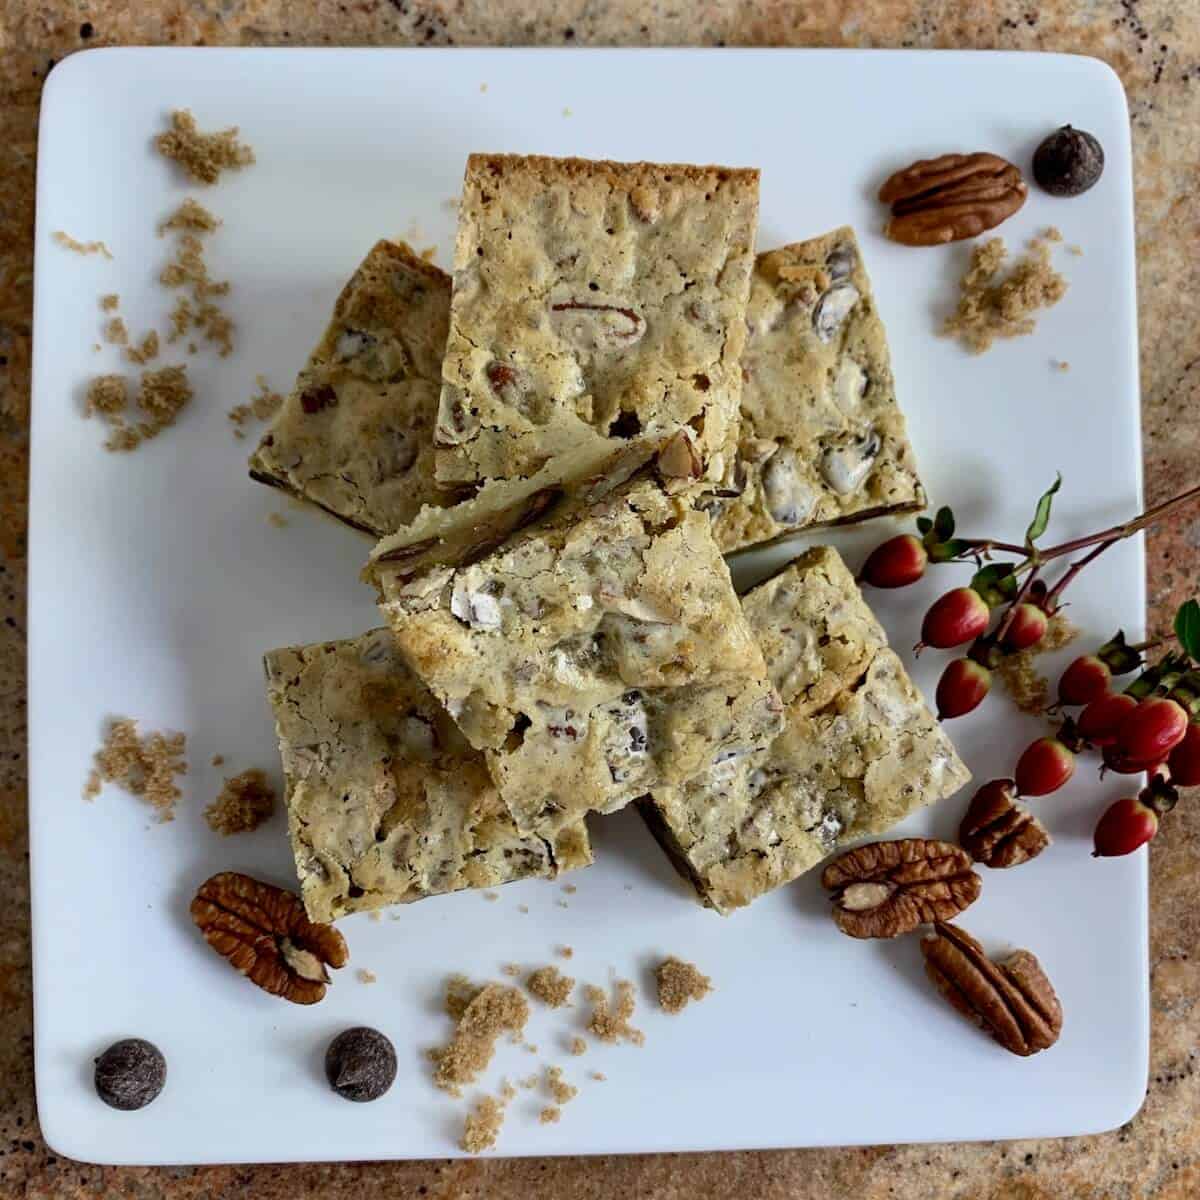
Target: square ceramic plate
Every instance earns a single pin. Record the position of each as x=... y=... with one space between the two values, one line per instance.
x=157 y=583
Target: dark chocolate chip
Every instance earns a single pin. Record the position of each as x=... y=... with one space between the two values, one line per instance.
x=360 y=1064
x=130 y=1074
x=1068 y=162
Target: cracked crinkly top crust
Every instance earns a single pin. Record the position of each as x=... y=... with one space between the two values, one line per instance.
x=355 y=437
x=822 y=438
x=593 y=300
x=596 y=653
x=386 y=801
x=855 y=767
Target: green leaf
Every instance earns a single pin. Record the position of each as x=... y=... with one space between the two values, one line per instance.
x=1041 y=514
x=1187 y=628
x=943 y=524
x=945 y=551
x=996 y=583
x=924 y=524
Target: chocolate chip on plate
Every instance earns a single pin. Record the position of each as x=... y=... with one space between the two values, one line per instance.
x=1068 y=162
x=130 y=1074
x=360 y=1064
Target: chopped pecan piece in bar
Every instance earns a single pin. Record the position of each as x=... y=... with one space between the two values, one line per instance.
x=587 y=637
x=386 y=801
x=355 y=437
x=822 y=441
x=869 y=753
x=593 y=301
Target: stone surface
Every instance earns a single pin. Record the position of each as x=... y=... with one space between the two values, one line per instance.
x=1154 y=45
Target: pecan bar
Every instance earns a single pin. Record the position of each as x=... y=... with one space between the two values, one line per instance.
x=386 y=801
x=823 y=441
x=355 y=437
x=859 y=750
x=587 y=638
x=593 y=300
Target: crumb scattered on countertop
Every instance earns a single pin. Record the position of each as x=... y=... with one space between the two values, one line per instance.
x=144 y=351
x=365 y=976
x=202 y=155
x=550 y=986
x=611 y=1023
x=483 y=1125
x=578 y=1046
x=483 y=1015
x=243 y=804
x=1018 y=673
x=679 y=983
x=111 y=302
x=561 y=1091
x=146 y=767
x=69 y=243
x=192 y=217
x=992 y=305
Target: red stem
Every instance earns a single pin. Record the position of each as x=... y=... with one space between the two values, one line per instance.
x=1116 y=532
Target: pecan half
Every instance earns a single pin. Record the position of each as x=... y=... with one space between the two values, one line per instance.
x=884 y=889
x=998 y=831
x=1012 y=1000
x=264 y=933
x=952 y=197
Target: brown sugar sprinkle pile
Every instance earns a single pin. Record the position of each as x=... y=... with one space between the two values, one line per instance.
x=202 y=155
x=189 y=217
x=110 y=303
x=115 y=333
x=550 y=1115
x=560 y=1090
x=67 y=242
x=1028 y=687
x=243 y=804
x=162 y=396
x=365 y=976
x=145 y=351
x=107 y=396
x=578 y=1046
x=550 y=986
x=679 y=983
x=483 y=1016
x=261 y=407
x=197 y=310
x=143 y=766
x=992 y=305
x=483 y=1125
x=611 y=1023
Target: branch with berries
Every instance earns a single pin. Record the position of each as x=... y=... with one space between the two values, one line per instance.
x=1148 y=727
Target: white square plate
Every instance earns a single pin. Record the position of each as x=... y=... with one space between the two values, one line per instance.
x=157 y=583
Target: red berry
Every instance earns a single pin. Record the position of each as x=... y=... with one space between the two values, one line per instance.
x=1184 y=762
x=1085 y=680
x=895 y=563
x=958 y=617
x=962 y=687
x=1153 y=729
x=1028 y=627
x=1124 y=827
x=1098 y=722
x=1044 y=767
x=1124 y=763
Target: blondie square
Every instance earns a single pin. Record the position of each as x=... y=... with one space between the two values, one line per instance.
x=355 y=437
x=587 y=638
x=386 y=801
x=823 y=441
x=869 y=755
x=593 y=300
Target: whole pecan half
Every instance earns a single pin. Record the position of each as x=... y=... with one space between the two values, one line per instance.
x=264 y=933
x=998 y=831
x=1011 y=1000
x=951 y=197
x=884 y=889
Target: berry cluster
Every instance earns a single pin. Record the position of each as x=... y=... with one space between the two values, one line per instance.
x=1149 y=727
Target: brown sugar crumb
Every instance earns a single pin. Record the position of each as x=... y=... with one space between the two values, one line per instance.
x=278 y=520
x=512 y=970
x=189 y=270
x=531 y=1047
x=561 y=1091
x=244 y=803
x=365 y=976
x=144 y=352
x=110 y=303
x=218 y=760
x=164 y=394
x=599 y=1077
x=522 y=908
x=550 y=986
x=991 y=306
x=191 y=217
x=1061 y=364
x=611 y=1024
x=491 y=896
x=1028 y=687
x=143 y=766
x=181 y=317
x=570 y=889
x=261 y=407
x=565 y=951
x=107 y=395
x=1052 y=233
x=529 y=1082
x=550 y=1115
x=507 y=1091
x=578 y=1046
x=217 y=327
x=679 y=983
x=1075 y=250
x=69 y=243
x=483 y=1017
x=115 y=333
x=202 y=155
x=483 y=1125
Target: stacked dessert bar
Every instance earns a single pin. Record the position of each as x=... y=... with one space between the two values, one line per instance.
x=555 y=448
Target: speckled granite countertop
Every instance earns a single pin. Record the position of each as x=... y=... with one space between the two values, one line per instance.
x=1154 y=45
